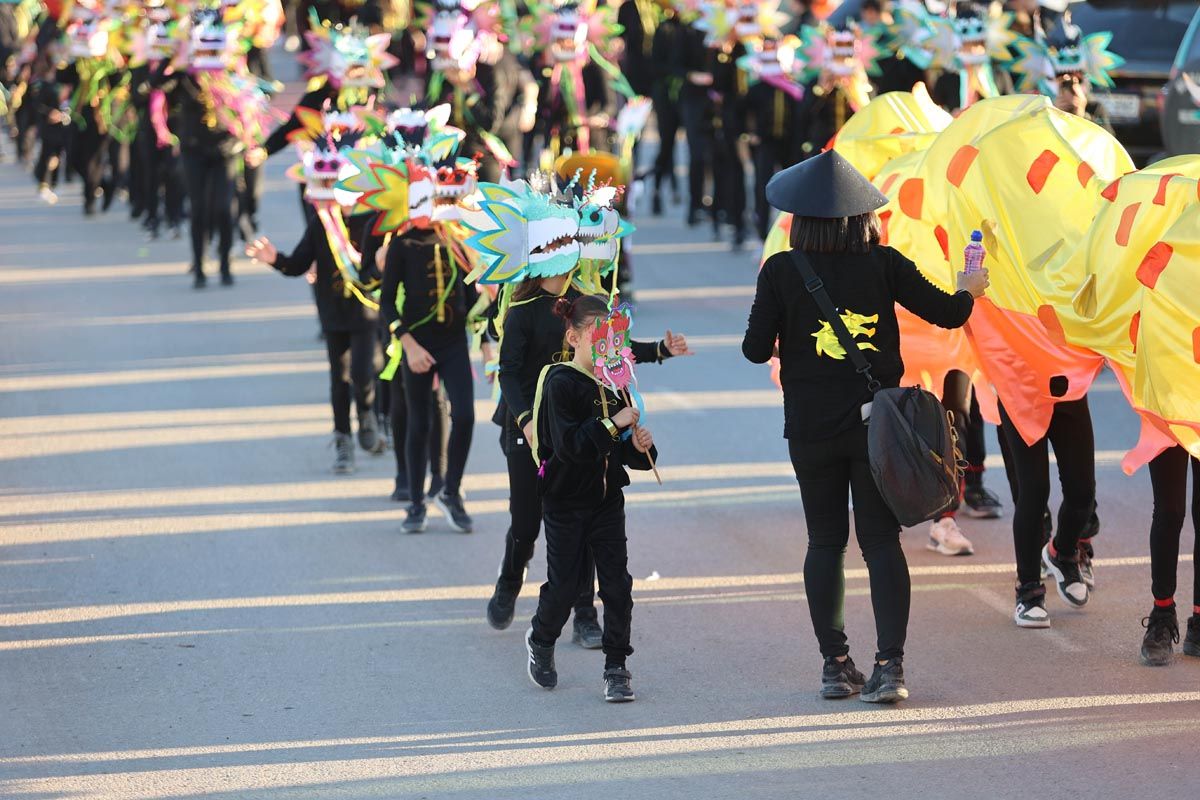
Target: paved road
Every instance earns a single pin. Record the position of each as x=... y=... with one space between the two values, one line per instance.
x=191 y=605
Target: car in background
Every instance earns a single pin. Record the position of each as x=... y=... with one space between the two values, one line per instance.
x=1147 y=34
x=1181 y=96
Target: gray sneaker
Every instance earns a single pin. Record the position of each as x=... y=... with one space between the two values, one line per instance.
x=586 y=631
x=343 y=463
x=618 y=687
x=368 y=434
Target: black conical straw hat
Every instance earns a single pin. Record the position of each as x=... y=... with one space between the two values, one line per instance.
x=825 y=186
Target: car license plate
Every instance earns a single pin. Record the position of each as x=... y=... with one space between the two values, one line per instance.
x=1121 y=107
x=1189 y=116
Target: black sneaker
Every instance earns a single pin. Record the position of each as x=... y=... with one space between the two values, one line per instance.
x=840 y=679
x=343 y=462
x=586 y=631
x=1162 y=631
x=502 y=606
x=1071 y=587
x=451 y=506
x=436 y=484
x=414 y=522
x=886 y=684
x=368 y=434
x=981 y=503
x=199 y=281
x=541 y=662
x=1031 y=607
x=227 y=279
x=617 y=686
x=1191 y=642
x=401 y=494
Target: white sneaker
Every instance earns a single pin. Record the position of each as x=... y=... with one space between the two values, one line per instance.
x=1031 y=614
x=947 y=539
x=47 y=195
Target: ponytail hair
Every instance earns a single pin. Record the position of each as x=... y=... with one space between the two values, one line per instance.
x=577 y=313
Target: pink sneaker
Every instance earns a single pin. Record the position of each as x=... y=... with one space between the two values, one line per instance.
x=947 y=539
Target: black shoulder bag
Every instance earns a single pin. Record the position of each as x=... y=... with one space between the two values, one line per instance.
x=911 y=446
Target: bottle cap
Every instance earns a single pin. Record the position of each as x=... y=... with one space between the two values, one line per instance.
x=976 y=236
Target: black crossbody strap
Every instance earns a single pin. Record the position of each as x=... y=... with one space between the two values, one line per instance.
x=816 y=287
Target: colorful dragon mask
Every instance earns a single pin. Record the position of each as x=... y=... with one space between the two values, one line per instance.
x=347 y=56
x=520 y=232
x=1042 y=62
x=211 y=42
x=86 y=31
x=157 y=38
x=612 y=356
x=414 y=125
x=846 y=55
x=774 y=60
x=451 y=35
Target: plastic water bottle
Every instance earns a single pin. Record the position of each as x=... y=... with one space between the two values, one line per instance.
x=974 y=253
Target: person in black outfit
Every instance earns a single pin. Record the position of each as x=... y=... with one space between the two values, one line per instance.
x=532 y=340
x=771 y=120
x=1169 y=478
x=836 y=228
x=586 y=436
x=158 y=161
x=88 y=134
x=729 y=172
x=432 y=328
x=670 y=73
x=696 y=112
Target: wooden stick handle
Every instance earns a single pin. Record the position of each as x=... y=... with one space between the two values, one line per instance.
x=650 y=458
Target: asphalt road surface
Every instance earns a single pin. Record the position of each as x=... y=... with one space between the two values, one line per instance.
x=191 y=605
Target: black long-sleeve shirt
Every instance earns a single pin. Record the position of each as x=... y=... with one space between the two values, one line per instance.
x=823 y=394
x=420 y=262
x=583 y=464
x=534 y=337
x=337 y=311
x=199 y=130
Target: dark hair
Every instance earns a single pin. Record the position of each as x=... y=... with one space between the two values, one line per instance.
x=583 y=309
x=856 y=234
x=526 y=289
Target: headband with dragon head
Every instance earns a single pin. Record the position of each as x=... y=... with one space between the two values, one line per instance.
x=347 y=55
x=1066 y=52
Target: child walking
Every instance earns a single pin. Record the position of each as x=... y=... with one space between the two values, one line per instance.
x=584 y=437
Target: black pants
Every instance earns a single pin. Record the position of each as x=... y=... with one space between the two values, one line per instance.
x=525 y=522
x=975 y=447
x=453 y=368
x=1070 y=433
x=162 y=183
x=353 y=362
x=210 y=179
x=770 y=156
x=87 y=149
x=696 y=115
x=956 y=397
x=439 y=429
x=729 y=174
x=249 y=187
x=1168 y=477
x=53 y=149
x=667 y=118
x=570 y=537
x=828 y=471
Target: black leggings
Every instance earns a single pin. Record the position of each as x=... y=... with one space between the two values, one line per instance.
x=828 y=471
x=1168 y=477
x=210 y=179
x=453 y=367
x=439 y=428
x=525 y=511
x=159 y=175
x=353 y=361
x=87 y=149
x=53 y=149
x=573 y=538
x=694 y=109
x=974 y=448
x=1070 y=433
x=770 y=156
x=666 y=116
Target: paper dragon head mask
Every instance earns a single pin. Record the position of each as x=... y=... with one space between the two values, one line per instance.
x=522 y=233
x=612 y=357
x=848 y=55
x=211 y=43
x=451 y=35
x=347 y=55
x=411 y=126
x=87 y=31
x=157 y=39
x=1044 y=61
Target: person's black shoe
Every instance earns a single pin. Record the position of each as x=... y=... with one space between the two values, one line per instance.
x=436 y=484
x=541 y=662
x=198 y=280
x=226 y=278
x=1191 y=642
x=739 y=237
x=693 y=217
x=617 y=685
x=502 y=606
x=401 y=494
x=981 y=503
x=368 y=434
x=586 y=631
x=840 y=679
x=451 y=506
x=656 y=204
x=1065 y=574
x=886 y=684
x=1162 y=632
x=1084 y=560
x=414 y=522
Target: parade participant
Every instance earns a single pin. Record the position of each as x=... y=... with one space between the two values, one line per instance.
x=223 y=115
x=670 y=74
x=89 y=78
x=837 y=230
x=584 y=437
x=531 y=337
x=342 y=248
x=840 y=64
x=696 y=113
x=967 y=46
x=1064 y=64
x=44 y=97
x=426 y=304
x=155 y=145
x=1168 y=478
